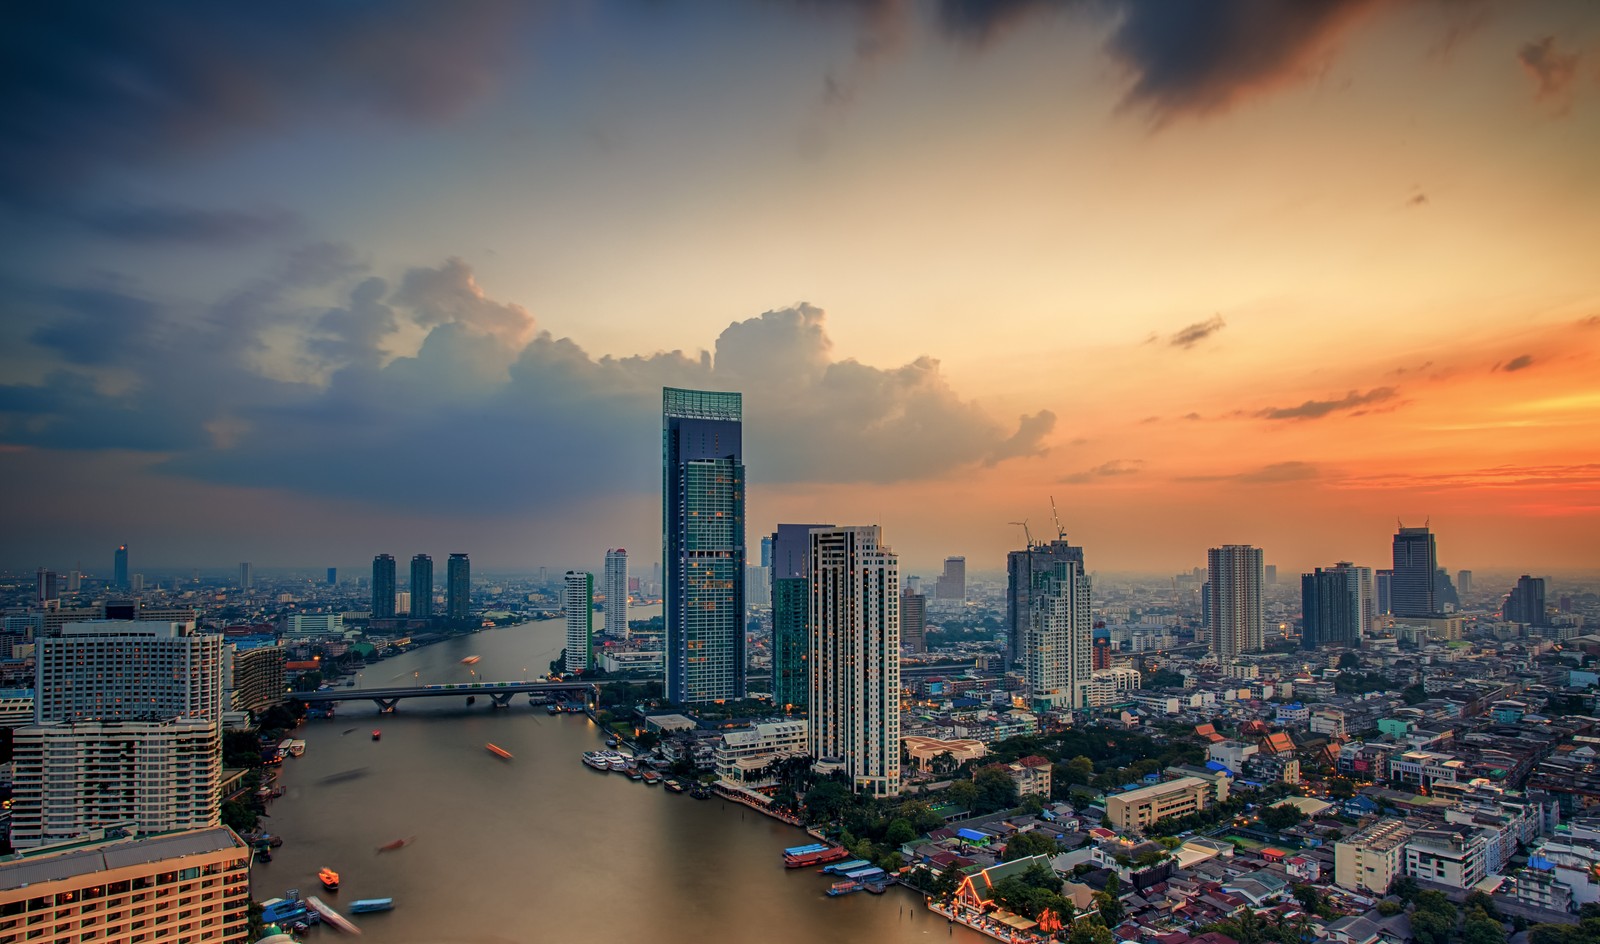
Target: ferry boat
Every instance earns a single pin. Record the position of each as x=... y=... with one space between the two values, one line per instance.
x=651 y=778
x=498 y=751
x=366 y=905
x=817 y=853
x=471 y=660
x=844 y=868
x=594 y=760
x=843 y=888
x=332 y=917
x=675 y=786
x=553 y=708
x=297 y=748
x=376 y=734
x=618 y=763
x=634 y=773
x=329 y=879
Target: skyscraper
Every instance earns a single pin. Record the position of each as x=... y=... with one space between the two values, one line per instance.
x=854 y=617
x=119 y=568
x=1235 y=600
x=383 y=586
x=1330 y=605
x=1411 y=592
x=790 y=553
x=1060 y=633
x=47 y=585
x=616 y=590
x=457 y=588
x=333 y=576
x=127 y=670
x=952 y=584
x=1464 y=582
x=578 y=598
x=1525 y=603
x=703 y=550
x=914 y=620
x=1384 y=580
x=422 y=587
x=247 y=576
x=1020 y=587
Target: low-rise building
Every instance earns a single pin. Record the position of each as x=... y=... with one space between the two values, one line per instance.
x=1371 y=859
x=1136 y=809
x=1447 y=856
x=747 y=757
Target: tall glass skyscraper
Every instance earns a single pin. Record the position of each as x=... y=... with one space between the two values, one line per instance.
x=457 y=588
x=1332 y=607
x=1411 y=589
x=703 y=549
x=119 y=568
x=789 y=550
x=383 y=586
x=422 y=587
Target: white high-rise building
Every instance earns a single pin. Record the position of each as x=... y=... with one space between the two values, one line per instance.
x=1058 y=652
x=578 y=598
x=126 y=670
x=72 y=778
x=616 y=590
x=1234 y=592
x=1366 y=589
x=853 y=629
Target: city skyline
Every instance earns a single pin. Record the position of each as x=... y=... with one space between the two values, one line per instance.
x=1293 y=303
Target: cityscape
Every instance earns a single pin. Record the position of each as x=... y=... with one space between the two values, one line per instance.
x=341 y=596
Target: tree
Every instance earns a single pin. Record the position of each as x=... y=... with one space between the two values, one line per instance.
x=1433 y=918
x=1281 y=817
x=826 y=801
x=899 y=833
x=239 y=817
x=1349 y=661
x=1479 y=928
x=1089 y=931
x=964 y=793
x=996 y=789
x=1080 y=769
x=1032 y=842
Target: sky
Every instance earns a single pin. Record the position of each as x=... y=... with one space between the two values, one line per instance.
x=303 y=283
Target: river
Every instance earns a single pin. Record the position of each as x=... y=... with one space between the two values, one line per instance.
x=538 y=848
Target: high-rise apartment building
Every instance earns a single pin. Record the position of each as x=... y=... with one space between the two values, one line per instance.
x=1100 y=649
x=616 y=591
x=247 y=576
x=125 y=670
x=703 y=549
x=1464 y=582
x=1234 y=589
x=422 y=587
x=1330 y=606
x=789 y=551
x=854 y=617
x=256 y=678
x=458 y=588
x=1384 y=581
x=1020 y=569
x=952 y=584
x=333 y=576
x=1525 y=603
x=1057 y=657
x=119 y=568
x=74 y=580
x=913 y=621
x=1412 y=589
x=383 y=587
x=47 y=586
x=578 y=598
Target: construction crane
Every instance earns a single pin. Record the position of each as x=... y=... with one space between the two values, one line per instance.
x=1025 y=532
x=1061 y=533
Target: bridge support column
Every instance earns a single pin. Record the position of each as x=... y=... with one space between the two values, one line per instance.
x=386 y=705
x=501 y=700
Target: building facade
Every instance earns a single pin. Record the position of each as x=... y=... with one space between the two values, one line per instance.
x=578 y=598
x=1330 y=605
x=703 y=544
x=421 y=587
x=1525 y=603
x=383 y=587
x=789 y=555
x=127 y=670
x=1412 y=586
x=1134 y=810
x=1021 y=566
x=457 y=588
x=913 y=621
x=256 y=678
x=854 y=627
x=748 y=757
x=1234 y=592
x=1373 y=858
x=952 y=583
x=615 y=587
x=1057 y=657
x=119 y=568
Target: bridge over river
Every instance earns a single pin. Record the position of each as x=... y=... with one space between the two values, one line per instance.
x=500 y=693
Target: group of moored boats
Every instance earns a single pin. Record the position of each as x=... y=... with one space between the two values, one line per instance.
x=855 y=874
x=615 y=761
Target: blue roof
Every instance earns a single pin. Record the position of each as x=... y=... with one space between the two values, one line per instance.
x=973 y=834
x=1541 y=863
x=1216 y=765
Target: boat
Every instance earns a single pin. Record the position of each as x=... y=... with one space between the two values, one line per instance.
x=376 y=734
x=675 y=786
x=471 y=660
x=367 y=905
x=471 y=699
x=332 y=917
x=818 y=853
x=876 y=888
x=651 y=778
x=844 y=868
x=396 y=844
x=843 y=888
x=700 y=791
x=498 y=751
x=634 y=773
x=288 y=908
x=329 y=879
x=618 y=763
x=553 y=708
x=596 y=761
x=297 y=748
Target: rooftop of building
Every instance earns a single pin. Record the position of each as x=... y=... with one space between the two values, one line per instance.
x=62 y=862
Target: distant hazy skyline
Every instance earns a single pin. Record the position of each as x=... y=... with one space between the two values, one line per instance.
x=299 y=286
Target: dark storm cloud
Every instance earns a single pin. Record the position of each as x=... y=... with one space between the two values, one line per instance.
x=1276 y=473
x=190 y=225
x=96 y=326
x=1197 y=332
x=88 y=84
x=531 y=416
x=1316 y=409
x=1552 y=71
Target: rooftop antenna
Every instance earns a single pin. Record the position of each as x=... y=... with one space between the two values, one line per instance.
x=1025 y=532
x=1061 y=533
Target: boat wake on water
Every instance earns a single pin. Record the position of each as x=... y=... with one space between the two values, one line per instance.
x=397 y=844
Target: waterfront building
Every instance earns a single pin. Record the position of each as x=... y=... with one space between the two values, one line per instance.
x=158 y=889
x=247 y=576
x=70 y=779
x=703 y=549
x=383 y=588
x=854 y=617
x=1330 y=605
x=789 y=550
x=1021 y=566
x=1525 y=603
x=1412 y=590
x=458 y=588
x=119 y=568
x=1234 y=593
x=124 y=670
x=749 y=757
x=952 y=584
x=1373 y=858
x=578 y=599
x=256 y=679
x=913 y=621
x=923 y=750
x=616 y=591
x=422 y=587
x=1134 y=810
x=1060 y=634
x=296 y=625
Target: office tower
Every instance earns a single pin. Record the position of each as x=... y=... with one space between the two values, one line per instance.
x=119 y=568
x=46 y=586
x=333 y=576
x=125 y=670
x=136 y=583
x=1366 y=591
x=1444 y=592
x=914 y=621
x=1235 y=600
x=579 y=602
x=1411 y=590
x=1464 y=582
x=1384 y=579
x=1021 y=566
x=1330 y=606
x=74 y=580
x=1270 y=575
x=1060 y=634
x=913 y=583
x=123 y=890
x=616 y=591
x=247 y=576
x=790 y=554
x=1525 y=603
x=703 y=551
x=853 y=596
x=421 y=587
x=383 y=587
x=952 y=584
x=1100 y=648
x=766 y=552
x=458 y=588
x=544 y=577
